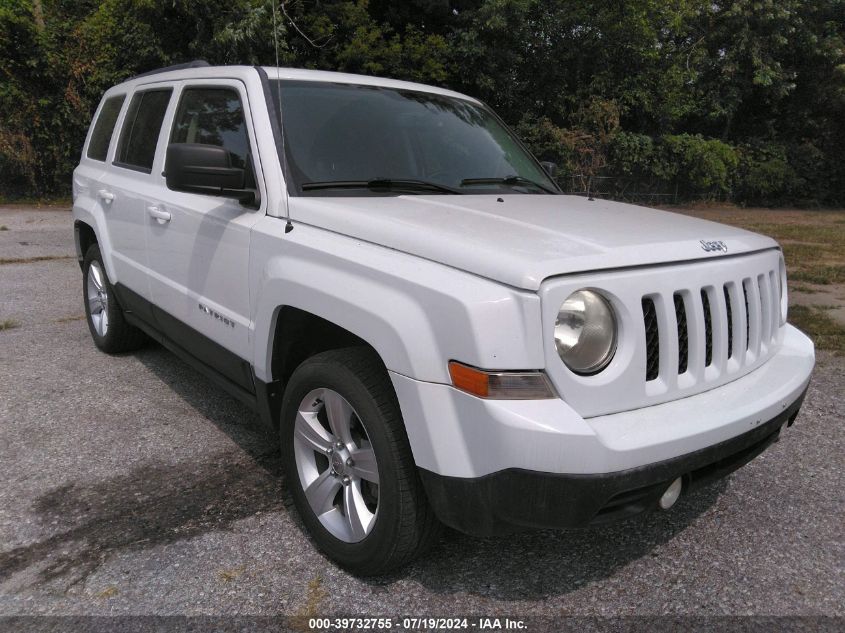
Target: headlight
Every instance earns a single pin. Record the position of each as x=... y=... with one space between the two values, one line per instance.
x=585 y=332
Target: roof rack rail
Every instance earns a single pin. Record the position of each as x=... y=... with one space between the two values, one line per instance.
x=197 y=63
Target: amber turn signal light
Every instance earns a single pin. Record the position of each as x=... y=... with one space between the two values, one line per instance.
x=500 y=385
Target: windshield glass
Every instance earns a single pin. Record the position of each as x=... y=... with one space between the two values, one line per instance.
x=349 y=135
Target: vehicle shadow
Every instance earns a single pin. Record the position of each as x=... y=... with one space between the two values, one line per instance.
x=162 y=502
x=538 y=564
x=226 y=412
x=524 y=566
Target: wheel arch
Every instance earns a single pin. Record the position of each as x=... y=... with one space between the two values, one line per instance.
x=299 y=335
x=336 y=319
x=296 y=335
x=84 y=237
x=89 y=227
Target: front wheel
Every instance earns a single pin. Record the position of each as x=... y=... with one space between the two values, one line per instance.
x=349 y=465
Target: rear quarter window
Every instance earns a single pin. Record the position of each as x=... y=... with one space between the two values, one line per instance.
x=98 y=146
x=139 y=136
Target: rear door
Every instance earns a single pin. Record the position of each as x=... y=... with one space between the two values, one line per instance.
x=91 y=194
x=199 y=244
x=125 y=192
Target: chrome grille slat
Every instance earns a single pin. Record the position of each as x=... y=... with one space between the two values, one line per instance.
x=703 y=329
x=697 y=329
x=754 y=316
x=775 y=306
x=720 y=315
x=765 y=312
x=668 y=326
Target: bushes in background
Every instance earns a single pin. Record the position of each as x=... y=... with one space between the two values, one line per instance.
x=729 y=99
x=682 y=166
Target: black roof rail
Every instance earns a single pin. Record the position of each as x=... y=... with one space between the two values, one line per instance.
x=197 y=63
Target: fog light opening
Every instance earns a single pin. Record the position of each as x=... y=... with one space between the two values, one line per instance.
x=671 y=495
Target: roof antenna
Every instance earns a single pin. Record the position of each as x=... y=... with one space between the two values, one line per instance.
x=288 y=224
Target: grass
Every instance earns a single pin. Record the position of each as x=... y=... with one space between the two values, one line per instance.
x=8 y=324
x=814 y=249
x=31 y=260
x=814 y=246
x=314 y=598
x=825 y=332
x=228 y=575
x=818 y=274
x=807 y=290
x=70 y=319
x=108 y=592
x=58 y=201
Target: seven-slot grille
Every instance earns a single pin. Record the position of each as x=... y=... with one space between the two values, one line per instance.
x=673 y=341
x=702 y=325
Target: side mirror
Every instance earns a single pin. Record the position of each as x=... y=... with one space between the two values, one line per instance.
x=206 y=169
x=549 y=167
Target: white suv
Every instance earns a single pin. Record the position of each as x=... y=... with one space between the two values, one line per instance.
x=436 y=334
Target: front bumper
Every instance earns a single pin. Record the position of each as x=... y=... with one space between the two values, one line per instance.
x=516 y=499
x=469 y=449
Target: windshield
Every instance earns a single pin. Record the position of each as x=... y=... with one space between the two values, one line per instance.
x=340 y=138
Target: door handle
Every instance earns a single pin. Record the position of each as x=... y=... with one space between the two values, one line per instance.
x=105 y=195
x=160 y=215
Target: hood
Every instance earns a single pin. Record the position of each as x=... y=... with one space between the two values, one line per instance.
x=524 y=239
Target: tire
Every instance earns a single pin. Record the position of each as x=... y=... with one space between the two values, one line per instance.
x=399 y=525
x=108 y=327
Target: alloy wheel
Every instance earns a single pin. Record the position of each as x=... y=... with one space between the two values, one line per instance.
x=98 y=298
x=336 y=464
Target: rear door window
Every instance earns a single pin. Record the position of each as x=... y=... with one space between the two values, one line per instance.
x=141 y=128
x=98 y=146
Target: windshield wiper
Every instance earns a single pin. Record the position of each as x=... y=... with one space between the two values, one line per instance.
x=511 y=181
x=381 y=184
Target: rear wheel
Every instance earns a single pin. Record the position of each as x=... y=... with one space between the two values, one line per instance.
x=108 y=327
x=349 y=465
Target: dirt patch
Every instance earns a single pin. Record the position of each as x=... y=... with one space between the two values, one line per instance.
x=32 y=260
x=827 y=332
x=9 y=324
x=36 y=203
x=70 y=319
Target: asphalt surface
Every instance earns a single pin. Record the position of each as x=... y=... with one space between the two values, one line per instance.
x=131 y=485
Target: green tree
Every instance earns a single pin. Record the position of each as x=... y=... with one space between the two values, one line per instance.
x=721 y=97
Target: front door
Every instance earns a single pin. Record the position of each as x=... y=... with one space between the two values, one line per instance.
x=198 y=245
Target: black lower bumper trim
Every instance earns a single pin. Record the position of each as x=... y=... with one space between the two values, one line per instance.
x=516 y=499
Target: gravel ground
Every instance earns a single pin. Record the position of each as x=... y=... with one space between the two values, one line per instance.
x=133 y=486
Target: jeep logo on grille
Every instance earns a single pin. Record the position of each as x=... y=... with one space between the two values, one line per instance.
x=716 y=245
